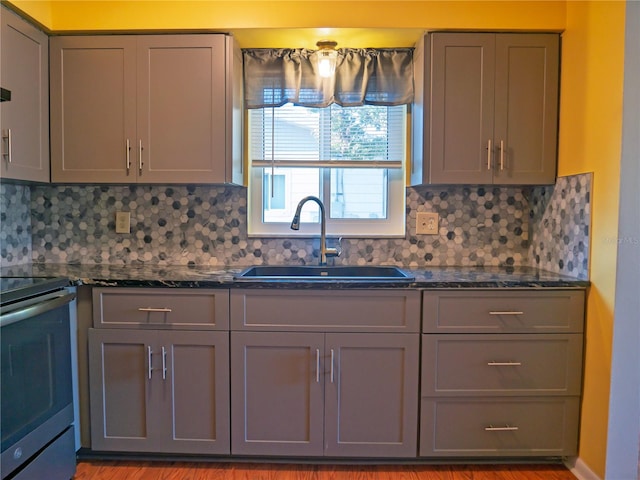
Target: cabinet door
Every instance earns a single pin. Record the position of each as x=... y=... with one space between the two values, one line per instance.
x=122 y=367
x=371 y=398
x=195 y=387
x=461 y=98
x=181 y=108
x=276 y=393
x=25 y=119
x=93 y=109
x=526 y=108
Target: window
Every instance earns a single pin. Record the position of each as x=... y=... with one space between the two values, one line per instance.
x=352 y=158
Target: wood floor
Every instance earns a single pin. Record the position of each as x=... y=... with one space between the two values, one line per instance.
x=118 y=470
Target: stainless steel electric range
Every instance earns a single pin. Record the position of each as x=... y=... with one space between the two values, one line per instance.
x=35 y=380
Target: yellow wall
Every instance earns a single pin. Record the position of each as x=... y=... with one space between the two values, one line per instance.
x=244 y=16
x=590 y=141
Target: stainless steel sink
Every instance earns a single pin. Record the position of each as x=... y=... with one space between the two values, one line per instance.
x=326 y=273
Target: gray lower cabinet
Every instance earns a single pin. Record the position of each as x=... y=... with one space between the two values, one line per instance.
x=313 y=389
x=277 y=392
x=501 y=373
x=25 y=118
x=159 y=370
x=314 y=394
x=371 y=395
x=159 y=391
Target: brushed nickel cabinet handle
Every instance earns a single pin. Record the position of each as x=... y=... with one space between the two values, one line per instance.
x=164 y=363
x=7 y=137
x=504 y=364
x=332 y=356
x=140 y=158
x=489 y=154
x=128 y=156
x=154 y=310
x=508 y=312
x=506 y=428
x=317 y=365
x=501 y=155
x=149 y=359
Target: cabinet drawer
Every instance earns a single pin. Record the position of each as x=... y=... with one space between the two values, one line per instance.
x=326 y=310
x=486 y=311
x=499 y=426
x=161 y=307
x=468 y=364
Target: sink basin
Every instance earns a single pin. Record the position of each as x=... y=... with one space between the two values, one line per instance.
x=330 y=273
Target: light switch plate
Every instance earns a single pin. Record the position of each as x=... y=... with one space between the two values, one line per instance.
x=427 y=223
x=123 y=222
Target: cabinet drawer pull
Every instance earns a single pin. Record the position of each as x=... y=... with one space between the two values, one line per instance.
x=489 y=154
x=164 y=363
x=149 y=359
x=317 y=365
x=506 y=428
x=128 y=156
x=9 y=148
x=155 y=310
x=504 y=364
x=501 y=155
x=509 y=312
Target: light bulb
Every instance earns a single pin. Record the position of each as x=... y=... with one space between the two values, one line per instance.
x=327 y=58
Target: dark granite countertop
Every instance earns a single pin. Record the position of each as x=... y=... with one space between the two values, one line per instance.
x=215 y=277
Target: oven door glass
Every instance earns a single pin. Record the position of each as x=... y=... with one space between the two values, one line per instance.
x=36 y=372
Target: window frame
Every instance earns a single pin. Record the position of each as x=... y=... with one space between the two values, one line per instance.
x=391 y=227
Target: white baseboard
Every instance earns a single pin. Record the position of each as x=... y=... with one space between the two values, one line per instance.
x=580 y=469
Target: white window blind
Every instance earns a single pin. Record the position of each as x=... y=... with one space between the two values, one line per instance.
x=341 y=137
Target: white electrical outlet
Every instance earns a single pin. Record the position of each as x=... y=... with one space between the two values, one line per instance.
x=427 y=223
x=123 y=222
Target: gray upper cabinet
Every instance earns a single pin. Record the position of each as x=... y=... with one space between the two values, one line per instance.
x=486 y=108
x=146 y=109
x=93 y=109
x=25 y=118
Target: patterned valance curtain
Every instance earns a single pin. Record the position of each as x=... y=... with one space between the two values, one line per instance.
x=274 y=77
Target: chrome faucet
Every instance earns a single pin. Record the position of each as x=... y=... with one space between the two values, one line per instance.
x=295 y=225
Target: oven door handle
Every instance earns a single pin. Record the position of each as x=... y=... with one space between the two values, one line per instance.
x=56 y=301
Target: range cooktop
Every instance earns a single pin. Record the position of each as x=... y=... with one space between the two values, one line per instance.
x=17 y=288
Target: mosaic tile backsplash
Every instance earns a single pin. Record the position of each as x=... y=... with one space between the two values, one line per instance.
x=561 y=216
x=15 y=224
x=179 y=225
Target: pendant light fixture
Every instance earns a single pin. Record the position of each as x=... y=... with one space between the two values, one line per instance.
x=327 y=58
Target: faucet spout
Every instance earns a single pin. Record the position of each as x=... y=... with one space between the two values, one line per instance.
x=295 y=225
